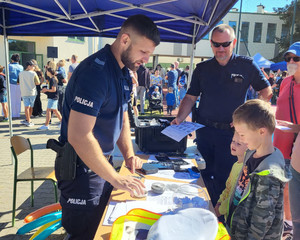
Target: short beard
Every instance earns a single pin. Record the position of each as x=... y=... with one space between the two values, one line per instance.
x=292 y=68
x=221 y=58
x=127 y=61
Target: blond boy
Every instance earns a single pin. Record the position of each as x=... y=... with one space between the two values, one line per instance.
x=256 y=206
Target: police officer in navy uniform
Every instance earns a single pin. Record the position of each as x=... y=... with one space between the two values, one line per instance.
x=95 y=118
x=222 y=83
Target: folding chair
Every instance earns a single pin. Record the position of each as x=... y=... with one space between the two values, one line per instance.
x=20 y=145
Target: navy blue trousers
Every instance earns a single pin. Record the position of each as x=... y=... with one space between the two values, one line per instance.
x=83 y=201
x=214 y=146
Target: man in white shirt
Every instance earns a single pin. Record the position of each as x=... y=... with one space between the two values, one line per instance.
x=28 y=80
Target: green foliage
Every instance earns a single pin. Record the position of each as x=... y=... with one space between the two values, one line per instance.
x=286 y=14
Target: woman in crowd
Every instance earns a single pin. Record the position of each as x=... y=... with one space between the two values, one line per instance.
x=156 y=79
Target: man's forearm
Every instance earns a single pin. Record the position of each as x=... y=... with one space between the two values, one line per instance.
x=266 y=94
x=81 y=137
x=186 y=107
x=124 y=142
x=91 y=154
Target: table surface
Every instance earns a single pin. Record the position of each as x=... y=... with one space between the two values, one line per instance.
x=103 y=232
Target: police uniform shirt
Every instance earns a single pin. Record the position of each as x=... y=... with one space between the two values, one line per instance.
x=223 y=88
x=98 y=87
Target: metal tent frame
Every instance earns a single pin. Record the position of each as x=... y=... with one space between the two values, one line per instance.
x=184 y=21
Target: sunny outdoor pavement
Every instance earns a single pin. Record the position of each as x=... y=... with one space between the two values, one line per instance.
x=44 y=194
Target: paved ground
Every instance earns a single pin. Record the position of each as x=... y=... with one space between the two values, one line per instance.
x=44 y=194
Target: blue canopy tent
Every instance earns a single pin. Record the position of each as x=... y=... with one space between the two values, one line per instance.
x=184 y=21
x=280 y=65
x=261 y=61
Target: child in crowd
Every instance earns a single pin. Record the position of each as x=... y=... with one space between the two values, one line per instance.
x=256 y=205
x=170 y=98
x=155 y=94
x=182 y=86
x=52 y=98
x=3 y=95
x=238 y=149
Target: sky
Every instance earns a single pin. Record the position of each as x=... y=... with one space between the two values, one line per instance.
x=251 y=5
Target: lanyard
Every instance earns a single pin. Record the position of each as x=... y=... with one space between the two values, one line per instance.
x=292 y=103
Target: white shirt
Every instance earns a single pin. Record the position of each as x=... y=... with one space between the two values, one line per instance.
x=28 y=81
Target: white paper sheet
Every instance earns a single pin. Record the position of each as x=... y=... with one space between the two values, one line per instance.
x=164 y=199
x=178 y=132
x=110 y=209
x=282 y=127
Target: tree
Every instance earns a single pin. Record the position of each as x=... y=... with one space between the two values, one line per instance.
x=286 y=14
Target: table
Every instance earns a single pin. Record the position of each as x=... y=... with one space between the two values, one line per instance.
x=103 y=232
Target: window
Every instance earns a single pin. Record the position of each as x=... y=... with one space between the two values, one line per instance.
x=76 y=39
x=245 y=31
x=80 y=39
x=21 y=46
x=285 y=31
x=233 y=25
x=271 y=33
x=257 y=32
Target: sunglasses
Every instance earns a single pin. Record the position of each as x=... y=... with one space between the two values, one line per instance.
x=295 y=59
x=223 y=44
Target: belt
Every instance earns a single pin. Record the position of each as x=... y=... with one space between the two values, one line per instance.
x=218 y=125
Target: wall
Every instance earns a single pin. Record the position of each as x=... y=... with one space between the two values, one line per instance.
x=66 y=47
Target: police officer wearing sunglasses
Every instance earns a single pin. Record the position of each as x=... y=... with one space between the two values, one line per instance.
x=222 y=83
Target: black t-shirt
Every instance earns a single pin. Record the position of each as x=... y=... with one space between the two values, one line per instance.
x=253 y=162
x=143 y=74
x=2 y=83
x=52 y=83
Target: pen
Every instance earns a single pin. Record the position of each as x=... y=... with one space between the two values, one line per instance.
x=141 y=175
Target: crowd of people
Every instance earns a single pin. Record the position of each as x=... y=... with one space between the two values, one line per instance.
x=27 y=85
x=248 y=160
x=149 y=84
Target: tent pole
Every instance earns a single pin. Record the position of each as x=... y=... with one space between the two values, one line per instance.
x=237 y=47
x=7 y=74
x=192 y=56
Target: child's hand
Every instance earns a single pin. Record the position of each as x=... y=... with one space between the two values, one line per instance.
x=217 y=209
